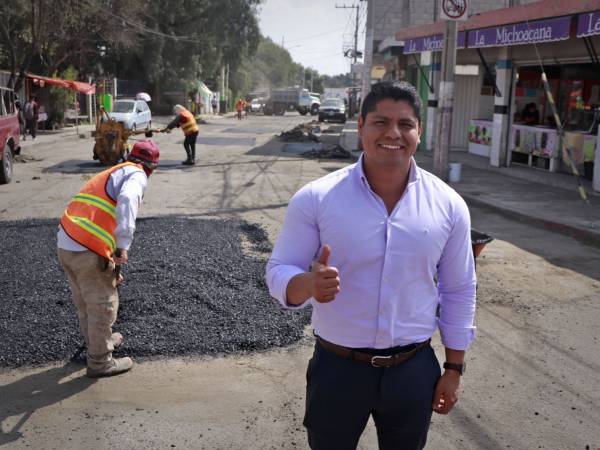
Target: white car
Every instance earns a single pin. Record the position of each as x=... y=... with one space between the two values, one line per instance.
x=256 y=106
x=133 y=114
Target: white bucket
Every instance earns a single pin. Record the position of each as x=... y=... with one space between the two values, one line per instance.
x=454 y=175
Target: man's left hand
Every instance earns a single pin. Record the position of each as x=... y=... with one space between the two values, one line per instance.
x=120 y=256
x=446 y=392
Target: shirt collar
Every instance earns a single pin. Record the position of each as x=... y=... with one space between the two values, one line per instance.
x=414 y=172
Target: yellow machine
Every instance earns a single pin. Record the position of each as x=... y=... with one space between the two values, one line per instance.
x=111 y=145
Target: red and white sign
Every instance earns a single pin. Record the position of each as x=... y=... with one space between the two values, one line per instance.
x=453 y=10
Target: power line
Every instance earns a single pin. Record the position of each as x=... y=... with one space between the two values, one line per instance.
x=141 y=27
x=316 y=35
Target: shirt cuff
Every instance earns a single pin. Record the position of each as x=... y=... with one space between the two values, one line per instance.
x=456 y=338
x=280 y=283
x=124 y=242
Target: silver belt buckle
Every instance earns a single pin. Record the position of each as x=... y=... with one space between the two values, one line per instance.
x=374 y=360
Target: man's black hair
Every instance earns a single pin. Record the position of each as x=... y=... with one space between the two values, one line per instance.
x=397 y=90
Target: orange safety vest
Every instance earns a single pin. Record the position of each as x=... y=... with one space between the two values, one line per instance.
x=188 y=123
x=91 y=218
x=240 y=105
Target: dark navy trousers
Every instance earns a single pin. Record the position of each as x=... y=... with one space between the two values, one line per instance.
x=341 y=394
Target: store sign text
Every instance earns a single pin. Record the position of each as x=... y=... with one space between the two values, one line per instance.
x=521 y=33
x=431 y=43
x=588 y=24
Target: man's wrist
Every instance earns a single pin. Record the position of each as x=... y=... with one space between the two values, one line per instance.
x=458 y=368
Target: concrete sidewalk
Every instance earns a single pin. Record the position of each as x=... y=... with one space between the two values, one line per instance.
x=46 y=137
x=546 y=200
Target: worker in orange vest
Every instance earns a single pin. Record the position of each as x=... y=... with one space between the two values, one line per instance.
x=239 y=106
x=94 y=236
x=187 y=122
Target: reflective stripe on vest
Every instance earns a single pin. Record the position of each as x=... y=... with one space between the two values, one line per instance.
x=96 y=201
x=94 y=229
x=189 y=125
x=90 y=218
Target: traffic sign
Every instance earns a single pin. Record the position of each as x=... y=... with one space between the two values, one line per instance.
x=453 y=10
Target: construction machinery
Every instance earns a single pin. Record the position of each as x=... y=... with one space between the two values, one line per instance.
x=111 y=136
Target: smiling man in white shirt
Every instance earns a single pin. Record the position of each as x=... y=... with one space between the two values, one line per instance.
x=365 y=245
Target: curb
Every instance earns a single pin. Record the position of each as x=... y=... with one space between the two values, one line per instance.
x=581 y=234
x=52 y=140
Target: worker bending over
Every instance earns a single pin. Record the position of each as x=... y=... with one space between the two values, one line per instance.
x=94 y=236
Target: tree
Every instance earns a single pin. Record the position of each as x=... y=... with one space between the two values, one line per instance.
x=188 y=40
x=48 y=36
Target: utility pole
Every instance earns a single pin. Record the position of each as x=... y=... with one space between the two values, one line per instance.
x=222 y=99
x=303 y=76
x=450 y=12
x=368 y=51
x=354 y=58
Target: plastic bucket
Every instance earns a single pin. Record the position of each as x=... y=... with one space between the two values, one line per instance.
x=454 y=174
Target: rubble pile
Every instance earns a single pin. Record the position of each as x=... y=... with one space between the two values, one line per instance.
x=333 y=152
x=190 y=289
x=300 y=133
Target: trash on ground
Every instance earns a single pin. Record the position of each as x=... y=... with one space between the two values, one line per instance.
x=333 y=152
x=300 y=133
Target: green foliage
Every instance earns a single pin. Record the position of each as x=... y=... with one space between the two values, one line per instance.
x=166 y=46
x=61 y=99
x=338 y=81
x=273 y=67
x=209 y=33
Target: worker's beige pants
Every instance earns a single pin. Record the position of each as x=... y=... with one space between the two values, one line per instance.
x=95 y=295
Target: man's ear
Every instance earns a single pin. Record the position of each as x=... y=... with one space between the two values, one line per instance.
x=360 y=125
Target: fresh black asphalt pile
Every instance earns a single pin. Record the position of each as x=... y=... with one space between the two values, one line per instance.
x=189 y=289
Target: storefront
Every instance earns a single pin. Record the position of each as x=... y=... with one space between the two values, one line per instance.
x=502 y=111
x=534 y=140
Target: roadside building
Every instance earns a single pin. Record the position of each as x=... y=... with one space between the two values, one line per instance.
x=498 y=77
x=384 y=57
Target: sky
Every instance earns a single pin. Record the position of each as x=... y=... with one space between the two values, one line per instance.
x=314 y=31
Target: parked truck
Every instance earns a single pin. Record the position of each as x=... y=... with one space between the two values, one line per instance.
x=281 y=100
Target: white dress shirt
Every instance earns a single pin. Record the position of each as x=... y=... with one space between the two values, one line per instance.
x=388 y=264
x=127 y=185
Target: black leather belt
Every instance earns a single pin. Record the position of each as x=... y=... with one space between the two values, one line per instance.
x=374 y=360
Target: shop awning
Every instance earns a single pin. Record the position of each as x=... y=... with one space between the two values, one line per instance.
x=203 y=89
x=588 y=24
x=431 y=43
x=79 y=86
x=544 y=21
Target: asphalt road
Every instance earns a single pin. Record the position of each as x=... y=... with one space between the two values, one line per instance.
x=532 y=370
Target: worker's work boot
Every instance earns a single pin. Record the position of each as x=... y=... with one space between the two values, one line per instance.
x=116 y=339
x=193 y=158
x=115 y=366
x=188 y=161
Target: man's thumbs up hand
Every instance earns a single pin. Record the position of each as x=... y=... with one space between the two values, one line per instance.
x=324 y=256
x=325 y=279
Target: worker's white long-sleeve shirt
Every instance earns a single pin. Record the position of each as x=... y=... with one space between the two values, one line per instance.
x=127 y=185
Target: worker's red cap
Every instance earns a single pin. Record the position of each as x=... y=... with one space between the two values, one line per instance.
x=145 y=151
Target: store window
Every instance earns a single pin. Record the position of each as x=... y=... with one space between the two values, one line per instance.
x=576 y=91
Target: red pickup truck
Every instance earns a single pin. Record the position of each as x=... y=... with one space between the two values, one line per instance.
x=9 y=133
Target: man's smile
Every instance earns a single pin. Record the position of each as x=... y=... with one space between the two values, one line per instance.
x=391 y=147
